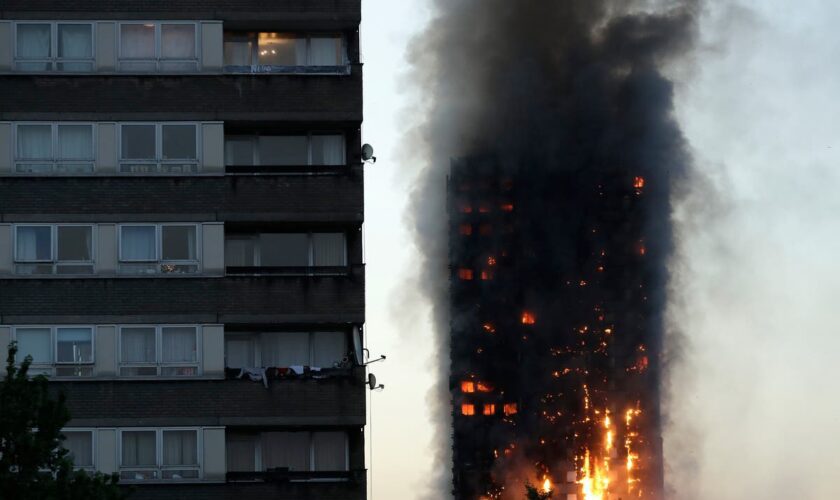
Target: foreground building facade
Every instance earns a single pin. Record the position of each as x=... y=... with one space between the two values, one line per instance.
x=181 y=205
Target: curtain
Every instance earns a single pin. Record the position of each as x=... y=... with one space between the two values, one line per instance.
x=177 y=41
x=241 y=453
x=138 y=449
x=34 y=142
x=138 y=243
x=75 y=41
x=137 y=345
x=33 y=41
x=284 y=250
x=34 y=243
x=239 y=352
x=286 y=449
x=74 y=345
x=325 y=51
x=239 y=252
x=238 y=53
x=34 y=342
x=137 y=41
x=180 y=448
x=329 y=249
x=328 y=348
x=80 y=446
x=75 y=142
x=330 y=451
x=283 y=150
x=178 y=344
x=284 y=349
x=328 y=150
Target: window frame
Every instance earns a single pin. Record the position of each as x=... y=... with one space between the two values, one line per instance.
x=159 y=364
x=55 y=162
x=158 y=58
x=93 y=444
x=54 y=262
x=50 y=369
x=257 y=338
x=159 y=163
x=255 y=67
x=258 y=438
x=256 y=162
x=159 y=468
x=159 y=261
x=258 y=250
x=54 y=60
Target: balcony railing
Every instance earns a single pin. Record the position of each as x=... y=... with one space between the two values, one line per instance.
x=283 y=475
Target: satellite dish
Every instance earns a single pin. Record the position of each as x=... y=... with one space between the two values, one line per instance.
x=372 y=381
x=367 y=153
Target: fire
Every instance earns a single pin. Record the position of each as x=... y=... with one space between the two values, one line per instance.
x=486 y=275
x=465 y=274
x=491 y=261
x=467 y=209
x=507 y=207
x=511 y=409
x=489 y=328
x=639 y=182
x=546 y=485
x=528 y=318
x=467 y=409
x=489 y=409
x=485 y=387
x=467 y=386
x=466 y=229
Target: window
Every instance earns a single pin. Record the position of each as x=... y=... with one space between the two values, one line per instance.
x=159 y=148
x=169 y=351
x=54 y=47
x=285 y=349
x=63 y=351
x=54 y=249
x=297 y=451
x=285 y=150
x=267 y=52
x=158 y=248
x=289 y=250
x=79 y=444
x=150 y=454
x=54 y=148
x=164 y=47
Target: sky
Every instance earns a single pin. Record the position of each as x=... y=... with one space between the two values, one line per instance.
x=754 y=400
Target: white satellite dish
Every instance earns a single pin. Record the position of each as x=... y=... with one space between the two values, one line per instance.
x=367 y=153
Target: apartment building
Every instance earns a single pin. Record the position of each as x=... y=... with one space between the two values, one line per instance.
x=181 y=209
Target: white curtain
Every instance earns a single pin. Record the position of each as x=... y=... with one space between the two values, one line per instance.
x=137 y=41
x=137 y=345
x=239 y=252
x=34 y=142
x=286 y=449
x=239 y=351
x=241 y=453
x=33 y=41
x=329 y=249
x=75 y=142
x=34 y=243
x=138 y=243
x=80 y=446
x=35 y=342
x=285 y=349
x=177 y=41
x=75 y=41
x=328 y=348
x=328 y=150
x=325 y=51
x=74 y=345
x=330 y=451
x=238 y=53
x=180 y=448
x=138 y=449
x=178 y=344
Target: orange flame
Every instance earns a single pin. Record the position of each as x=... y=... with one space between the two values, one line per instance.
x=511 y=409
x=467 y=409
x=467 y=386
x=490 y=409
x=528 y=318
x=465 y=274
x=639 y=182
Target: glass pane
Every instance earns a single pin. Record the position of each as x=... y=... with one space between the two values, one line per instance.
x=34 y=243
x=34 y=342
x=138 y=449
x=137 y=243
x=284 y=250
x=328 y=348
x=177 y=41
x=137 y=41
x=138 y=142
x=33 y=41
x=178 y=344
x=327 y=150
x=75 y=41
x=239 y=252
x=328 y=249
x=179 y=243
x=34 y=142
x=75 y=142
x=80 y=446
x=178 y=142
x=286 y=449
x=278 y=49
x=239 y=351
x=75 y=66
x=330 y=451
x=239 y=151
x=241 y=452
x=74 y=345
x=284 y=150
x=180 y=448
x=238 y=53
x=137 y=345
x=74 y=243
x=325 y=51
x=285 y=349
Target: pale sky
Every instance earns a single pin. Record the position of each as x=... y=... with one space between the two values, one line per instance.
x=756 y=398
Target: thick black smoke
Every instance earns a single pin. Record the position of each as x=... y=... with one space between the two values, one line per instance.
x=568 y=100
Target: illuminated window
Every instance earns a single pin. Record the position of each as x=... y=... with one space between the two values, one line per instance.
x=484 y=208
x=466 y=229
x=486 y=275
x=511 y=409
x=484 y=387
x=506 y=207
x=528 y=318
x=489 y=409
x=467 y=409
x=467 y=386
x=465 y=274
x=639 y=182
x=466 y=208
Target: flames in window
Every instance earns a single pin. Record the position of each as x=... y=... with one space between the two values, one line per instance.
x=467 y=386
x=510 y=409
x=528 y=318
x=467 y=409
x=466 y=229
x=489 y=409
x=465 y=274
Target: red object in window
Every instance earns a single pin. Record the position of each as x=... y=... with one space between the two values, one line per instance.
x=466 y=229
x=507 y=207
x=467 y=409
x=467 y=386
x=490 y=409
x=528 y=318
x=465 y=274
x=491 y=261
x=639 y=182
x=511 y=409
x=485 y=229
x=466 y=208
x=486 y=275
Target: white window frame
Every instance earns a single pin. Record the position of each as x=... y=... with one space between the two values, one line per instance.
x=256 y=337
x=56 y=164
x=159 y=468
x=159 y=364
x=50 y=368
x=256 y=67
x=158 y=164
x=255 y=150
x=310 y=240
x=158 y=59
x=93 y=443
x=53 y=261
x=54 y=60
x=159 y=262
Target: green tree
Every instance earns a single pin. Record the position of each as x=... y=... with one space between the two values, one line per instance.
x=532 y=493
x=32 y=463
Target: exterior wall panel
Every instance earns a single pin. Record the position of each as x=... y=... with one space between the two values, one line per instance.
x=214 y=454
x=5 y=46
x=6 y=148
x=212 y=53
x=6 y=250
x=106 y=354
x=106 y=46
x=106 y=148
